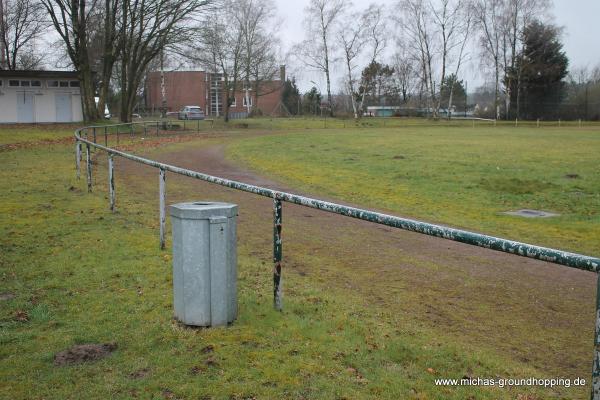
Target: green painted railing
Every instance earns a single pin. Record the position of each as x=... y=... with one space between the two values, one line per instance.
x=555 y=256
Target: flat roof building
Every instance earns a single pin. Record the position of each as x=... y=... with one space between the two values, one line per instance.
x=203 y=89
x=39 y=97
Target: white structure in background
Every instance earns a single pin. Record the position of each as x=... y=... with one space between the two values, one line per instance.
x=39 y=97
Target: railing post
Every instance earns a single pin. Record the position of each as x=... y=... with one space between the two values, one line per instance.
x=162 y=205
x=198 y=126
x=105 y=137
x=78 y=158
x=94 y=130
x=111 y=181
x=277 y=255
x=596 y=364
x=145 y=134
x=88 y=162
x=157 y=134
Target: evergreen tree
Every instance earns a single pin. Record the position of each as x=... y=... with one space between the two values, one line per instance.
x=459 y=94
x=377 y=85
x=291 y=96
x=311 y=103
x=537 y=84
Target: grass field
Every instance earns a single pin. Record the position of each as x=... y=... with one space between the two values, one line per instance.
x=73 y=273
x=461 y=177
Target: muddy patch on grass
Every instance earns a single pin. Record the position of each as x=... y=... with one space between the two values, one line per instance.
x=572 y=176
x=140 y=373
x=6 y=296
x=208 y=349
x=84 y=353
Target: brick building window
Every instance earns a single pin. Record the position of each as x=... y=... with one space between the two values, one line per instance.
x=233 y=102
x=245 y=103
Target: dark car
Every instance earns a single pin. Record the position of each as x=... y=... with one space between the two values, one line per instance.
x=191 y=112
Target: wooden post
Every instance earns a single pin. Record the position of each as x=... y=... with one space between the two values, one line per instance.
x=162 y=205
x=94 y=130
x=88 y=162
x=538 y=122
x=105 y=137
x=277 y=255
x=111 y=181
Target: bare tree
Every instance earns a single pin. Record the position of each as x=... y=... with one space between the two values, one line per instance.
x=405 y=73
x=375 y=28
x=221 y=50
x=351 y=39
x=489 y=18
x=258 y=26
x=148 y=27
x=70 y=20
x=22 y=23
x=463 y=32
x=321 y=18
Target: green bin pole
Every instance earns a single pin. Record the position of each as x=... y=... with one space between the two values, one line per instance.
x=596 y=364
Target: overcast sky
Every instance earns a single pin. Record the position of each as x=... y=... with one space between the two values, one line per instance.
x=578 y=17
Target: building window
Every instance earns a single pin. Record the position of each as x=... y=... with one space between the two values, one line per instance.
x=74 y=83
x=13 y=83
x=233 y=102
x=36 y=83
x=1 y=82
x=52 y=83
x=244 y=102
x=25 y=83
x=64 y=84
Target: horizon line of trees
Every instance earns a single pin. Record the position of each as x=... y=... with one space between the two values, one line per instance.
x=430 y=41
x=113 y=44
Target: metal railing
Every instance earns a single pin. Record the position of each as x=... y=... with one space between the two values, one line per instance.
x=555 y=256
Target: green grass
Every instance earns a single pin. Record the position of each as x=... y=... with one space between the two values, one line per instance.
x=84 y=275
x=13 y=134
x=461 y=177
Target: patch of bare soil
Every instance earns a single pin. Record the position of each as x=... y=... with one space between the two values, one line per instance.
x=35 y=143
x=6 y=296
x=84 y=353
x=140 y=373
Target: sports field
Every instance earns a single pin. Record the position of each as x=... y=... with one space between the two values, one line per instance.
x=370 y=312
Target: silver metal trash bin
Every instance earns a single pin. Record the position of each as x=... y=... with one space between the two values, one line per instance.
x=204 y=263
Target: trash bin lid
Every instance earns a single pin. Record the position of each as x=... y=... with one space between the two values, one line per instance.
x=203 y=210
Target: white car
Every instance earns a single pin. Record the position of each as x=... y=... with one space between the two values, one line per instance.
x=191 y=112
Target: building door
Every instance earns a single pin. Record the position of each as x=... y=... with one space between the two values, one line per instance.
x=25 y=107
x=63 y=107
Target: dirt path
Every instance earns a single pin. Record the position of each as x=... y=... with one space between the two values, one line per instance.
x=539 y=313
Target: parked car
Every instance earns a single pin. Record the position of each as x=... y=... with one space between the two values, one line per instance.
x=191 y=112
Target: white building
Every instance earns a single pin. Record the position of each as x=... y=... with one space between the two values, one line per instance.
x=39 y=96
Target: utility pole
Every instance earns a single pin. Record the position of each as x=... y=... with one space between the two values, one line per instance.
x=2 y=36
x=466 y=96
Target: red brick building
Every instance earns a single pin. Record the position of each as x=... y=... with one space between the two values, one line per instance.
x=200 y=88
